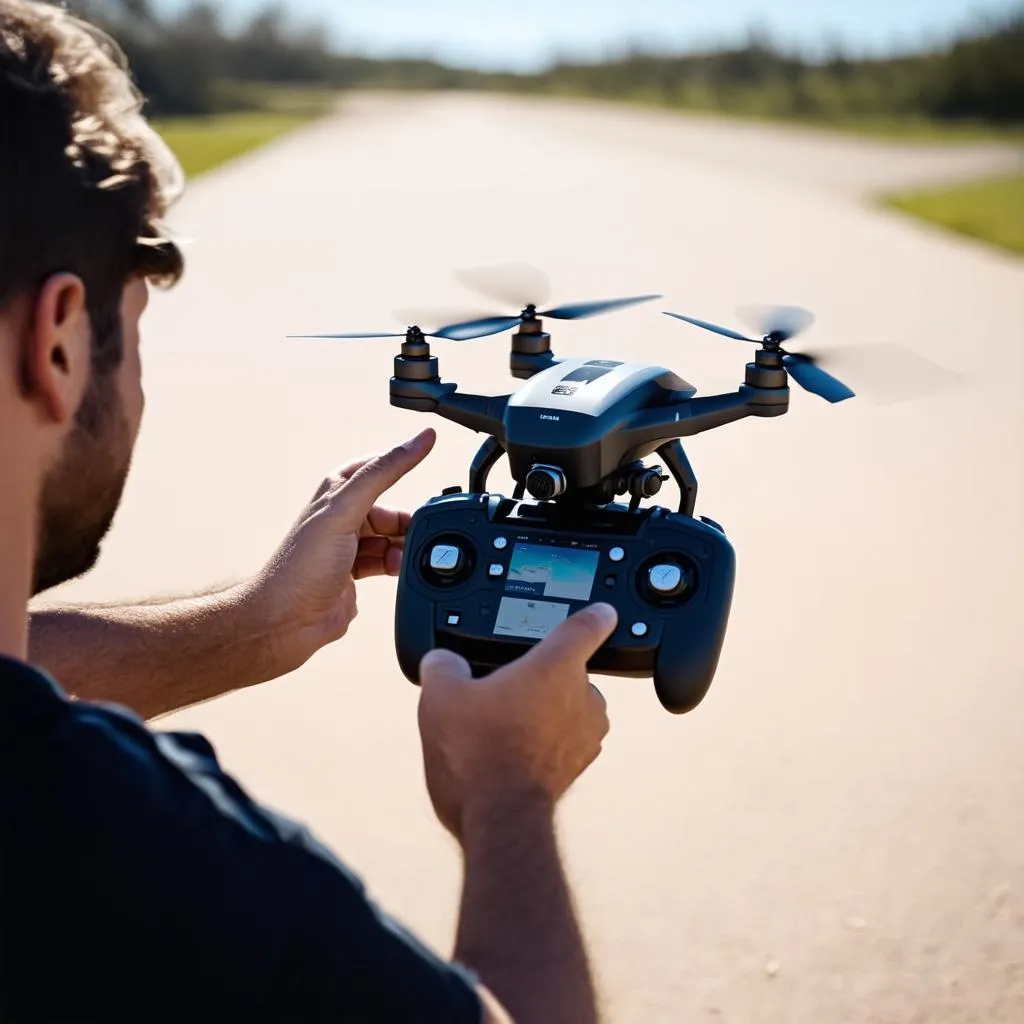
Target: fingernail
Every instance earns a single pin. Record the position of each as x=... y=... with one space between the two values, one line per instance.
x=605 y=614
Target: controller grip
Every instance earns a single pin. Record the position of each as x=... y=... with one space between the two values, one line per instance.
x=688 y=657
x=414 y=635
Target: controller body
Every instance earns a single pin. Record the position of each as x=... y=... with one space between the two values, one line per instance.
x=488 y=577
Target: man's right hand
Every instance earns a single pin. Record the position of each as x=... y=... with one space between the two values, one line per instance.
x=523 y=733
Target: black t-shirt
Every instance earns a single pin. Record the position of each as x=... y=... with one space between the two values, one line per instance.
x=140 y=882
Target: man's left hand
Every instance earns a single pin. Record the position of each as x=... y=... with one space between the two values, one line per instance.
x=306 y=593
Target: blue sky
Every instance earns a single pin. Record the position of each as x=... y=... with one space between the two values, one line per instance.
x=525 y=34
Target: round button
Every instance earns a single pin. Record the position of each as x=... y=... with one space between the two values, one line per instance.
x=445 y=559
x=501 y=543
x=638 y=629
x=616 y=554
x=665 y=579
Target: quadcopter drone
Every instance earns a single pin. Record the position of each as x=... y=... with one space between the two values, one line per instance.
x=489 y=576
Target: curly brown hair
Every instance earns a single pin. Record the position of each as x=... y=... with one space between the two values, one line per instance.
x=85 y=181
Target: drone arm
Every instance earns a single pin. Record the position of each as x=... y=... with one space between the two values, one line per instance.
x=484 y=414
x=699 y=414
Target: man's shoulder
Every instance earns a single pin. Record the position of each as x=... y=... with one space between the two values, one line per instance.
x=127 y=841
x=103 y=768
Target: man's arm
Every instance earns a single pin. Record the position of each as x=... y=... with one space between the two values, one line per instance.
x=517 y=926
x=155 y=657
x=499 y=753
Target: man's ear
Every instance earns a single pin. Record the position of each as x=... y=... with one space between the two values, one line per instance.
x=57 y=348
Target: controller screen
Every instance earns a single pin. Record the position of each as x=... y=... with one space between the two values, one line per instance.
x=543 y=571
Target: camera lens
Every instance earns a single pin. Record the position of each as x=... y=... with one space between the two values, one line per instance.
x=545 y=482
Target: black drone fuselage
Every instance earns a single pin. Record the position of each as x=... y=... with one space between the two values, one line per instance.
x=586 y=419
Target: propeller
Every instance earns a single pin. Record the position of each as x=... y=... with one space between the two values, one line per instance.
x=414 y=333
x=777 y=324
x=516 y=284
x=519 y=284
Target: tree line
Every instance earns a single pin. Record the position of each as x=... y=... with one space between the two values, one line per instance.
x=190 y=63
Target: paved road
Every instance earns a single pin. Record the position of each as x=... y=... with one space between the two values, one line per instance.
x=837 y=834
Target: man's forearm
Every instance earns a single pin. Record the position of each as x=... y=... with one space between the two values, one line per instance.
x=517 y=926
x=155 y=657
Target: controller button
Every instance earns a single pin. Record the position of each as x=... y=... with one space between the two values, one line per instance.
x=616 y=554
x=453 y=619
x=665 y=579
x=638 y=629
x=446 y=559
x=501 y=543
x=496 y=569
x=610 y=580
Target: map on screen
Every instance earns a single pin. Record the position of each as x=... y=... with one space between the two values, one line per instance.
x=531 y=619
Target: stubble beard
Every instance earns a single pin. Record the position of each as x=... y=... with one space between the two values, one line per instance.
x=82 y=491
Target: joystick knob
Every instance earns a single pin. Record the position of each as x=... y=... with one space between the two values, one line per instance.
x=666 y=579
x=445 y=559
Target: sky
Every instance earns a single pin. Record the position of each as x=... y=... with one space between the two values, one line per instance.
x=527 y=34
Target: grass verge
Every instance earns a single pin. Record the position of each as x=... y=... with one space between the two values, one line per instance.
x=894 y=128
x=991 y=210
x=204 y=142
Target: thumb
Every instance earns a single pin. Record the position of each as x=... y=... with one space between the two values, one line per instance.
x=573 y=642
x=376 y=475
x=440 y=663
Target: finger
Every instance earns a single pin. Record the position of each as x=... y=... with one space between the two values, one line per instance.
x=393 y=561
x=599 y=696
x=440 y=663
x=365 y=568
x=573 y=642
x=388 y=522
x=337 y=477
x=373 y=547
x=368 y=483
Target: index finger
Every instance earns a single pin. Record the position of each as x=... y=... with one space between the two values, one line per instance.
x=370 y=481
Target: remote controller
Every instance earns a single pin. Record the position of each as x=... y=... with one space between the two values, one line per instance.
x=488 y=577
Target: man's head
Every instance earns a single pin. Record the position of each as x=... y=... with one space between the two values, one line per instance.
x=84 y=183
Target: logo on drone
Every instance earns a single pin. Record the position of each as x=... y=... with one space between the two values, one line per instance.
x=565 y=389
x=546 y=416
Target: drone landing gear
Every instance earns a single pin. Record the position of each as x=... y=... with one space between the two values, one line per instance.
x=484 y=461
x=639 y=480
x=682 y=472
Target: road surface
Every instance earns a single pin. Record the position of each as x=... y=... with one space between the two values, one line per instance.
x=837 y=833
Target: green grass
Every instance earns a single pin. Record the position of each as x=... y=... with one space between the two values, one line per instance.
x=202 y=143
x=892 y=128
x=897 y=128
x=991 y=210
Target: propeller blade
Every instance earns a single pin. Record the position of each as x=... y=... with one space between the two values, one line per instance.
x=512 y=284
x=478 y=328
x=885 y=373
x=784 y=321
x=580 y=310
x=713 y=327
x=814 y=379
x=371 y=335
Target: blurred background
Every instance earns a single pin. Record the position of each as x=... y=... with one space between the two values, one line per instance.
x=223 y=77
x=837 y=833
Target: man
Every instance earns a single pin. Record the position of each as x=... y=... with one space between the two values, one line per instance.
x=139 y=881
